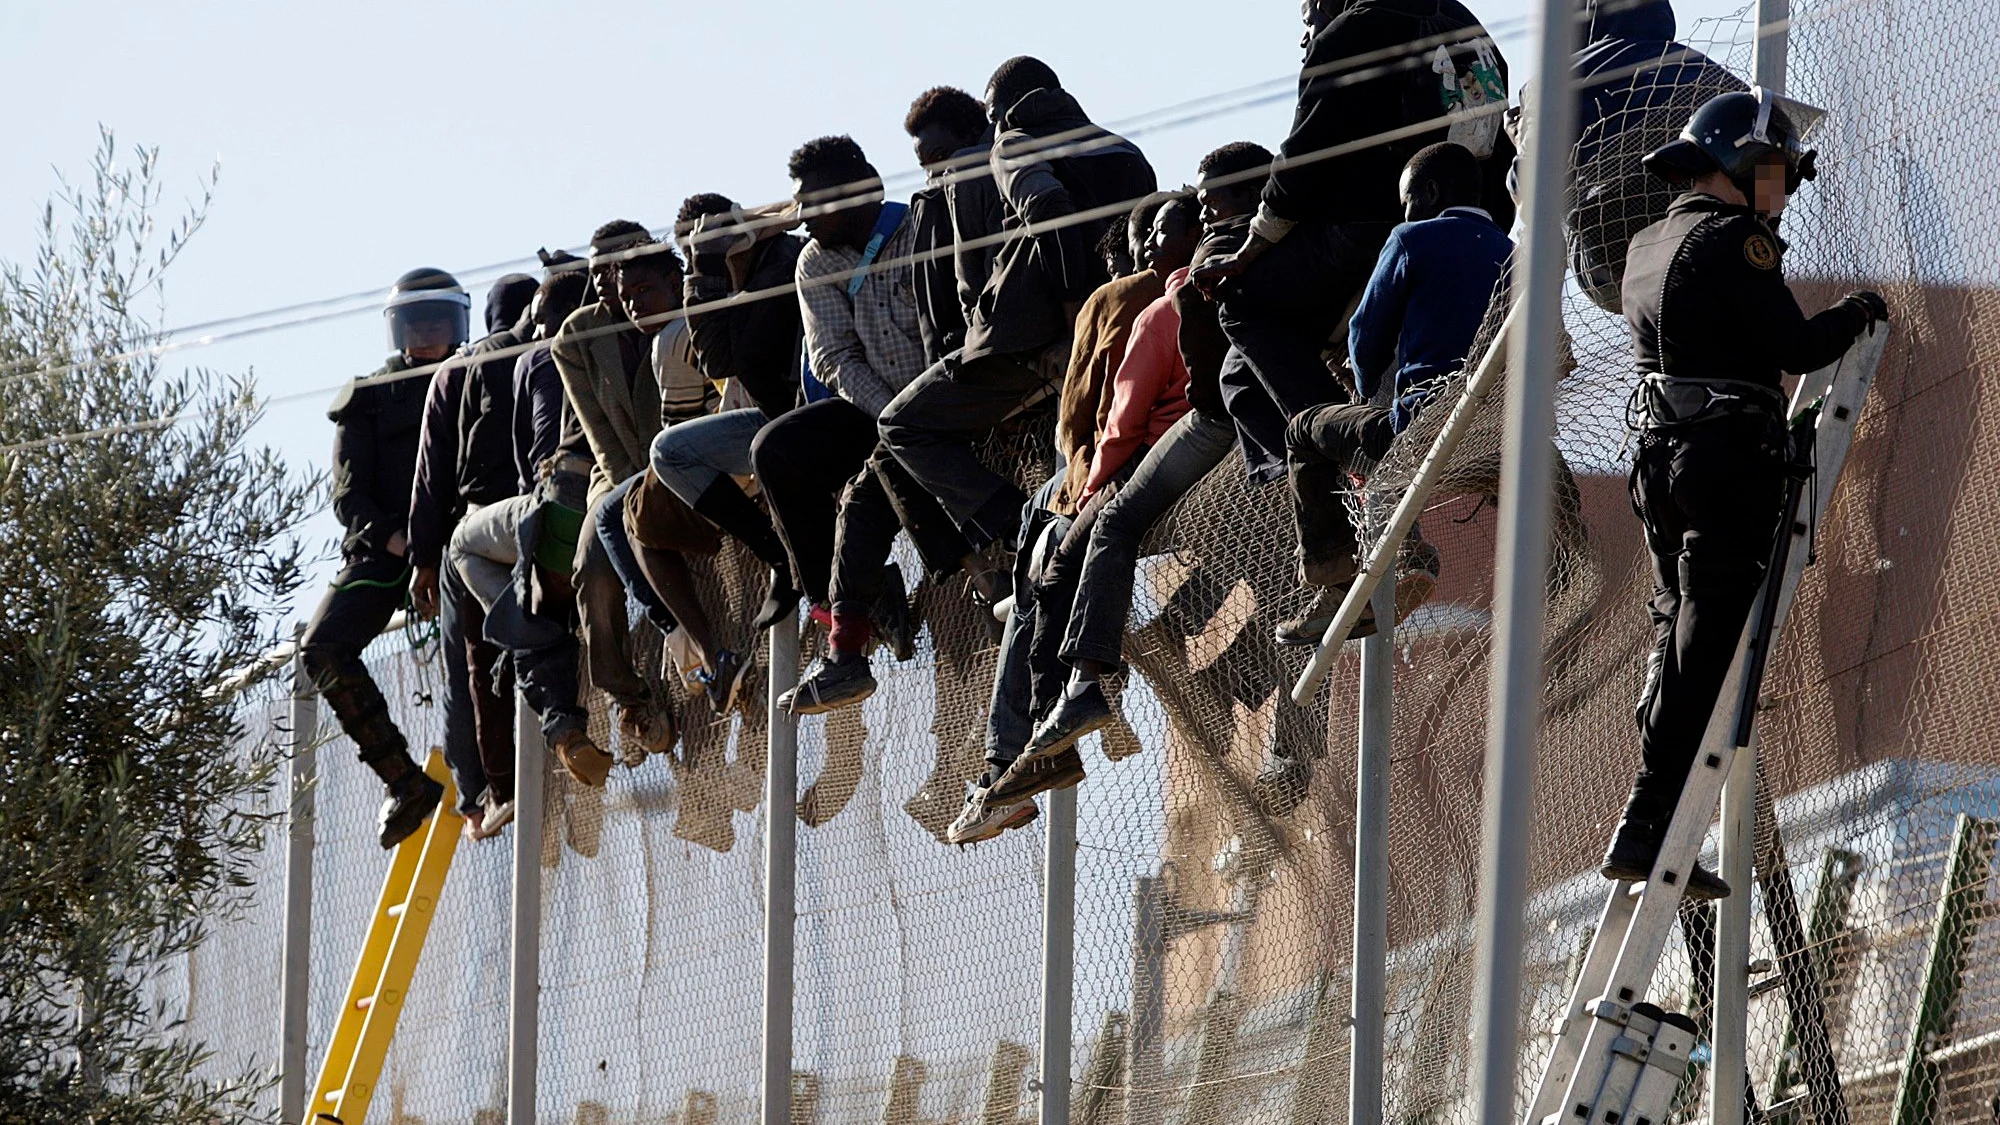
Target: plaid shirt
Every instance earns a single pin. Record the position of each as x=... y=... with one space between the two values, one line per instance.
x=866 y=347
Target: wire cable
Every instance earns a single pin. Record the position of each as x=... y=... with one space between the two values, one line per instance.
x=1049 y=148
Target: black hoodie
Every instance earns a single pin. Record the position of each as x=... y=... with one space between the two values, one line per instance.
x=1050 y=163
x=465 y=451
x=1363 y=77
x=755 y=342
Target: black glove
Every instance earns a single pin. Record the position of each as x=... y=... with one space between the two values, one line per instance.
x=1870 y=305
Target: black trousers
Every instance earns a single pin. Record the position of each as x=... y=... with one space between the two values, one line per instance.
x=364 y=595
x=1322 y=445
x=1711 y=496
x=1285 y=310
x=837 y=500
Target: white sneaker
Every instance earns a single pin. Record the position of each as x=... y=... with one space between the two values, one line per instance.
x=977 y=821
x=495 y=815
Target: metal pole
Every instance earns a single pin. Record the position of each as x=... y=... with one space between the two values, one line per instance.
x=1371 y=867
x=1058 y=954
x=525 y=968
x=1514 y=706
x=1145 y=1072
x=781 y=840
x=1773 y=48
x=294 y=997
x=1730 y=1074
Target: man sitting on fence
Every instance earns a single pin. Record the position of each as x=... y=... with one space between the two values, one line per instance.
x=647 y=531
x=1179 y=459
x=1415 y=323
x=376 y=424
x=602 y=361
x=837 y=496
x=465 y=456
x=1054 y=169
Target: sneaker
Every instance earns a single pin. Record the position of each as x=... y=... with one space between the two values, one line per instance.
x=411 y=800
x=724 y=682
x=497 y=814
x=843 y=681
x=782 y=602
x=1034 y=774
x=646 y=727
x=1075 y=715
x=583 y=759
x=1310 y=627
x=471 y=823
x=981 y=819
x=1417 y=568
x=1417 y=571
x=894 y=623
x=1282 y=785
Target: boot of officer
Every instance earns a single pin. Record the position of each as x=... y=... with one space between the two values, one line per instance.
x=377 y=421
x=1715 y=331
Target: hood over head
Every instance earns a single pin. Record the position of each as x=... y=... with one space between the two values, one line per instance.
x=1651 y=20
x=1043 y=109
x=507 y=300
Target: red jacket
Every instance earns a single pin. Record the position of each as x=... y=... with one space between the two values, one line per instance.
x=1149 y=393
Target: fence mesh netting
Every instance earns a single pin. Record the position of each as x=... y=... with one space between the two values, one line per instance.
x=1212 y=923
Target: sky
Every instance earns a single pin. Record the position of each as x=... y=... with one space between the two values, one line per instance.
x=361 y=139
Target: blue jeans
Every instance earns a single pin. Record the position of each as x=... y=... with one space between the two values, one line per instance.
x=461 y=740
x=1187 y=452
x=689 y=456
x=1010 y=718
x=609 y=516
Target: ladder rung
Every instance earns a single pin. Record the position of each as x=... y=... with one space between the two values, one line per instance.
x=365 y=1003
x=398 y=910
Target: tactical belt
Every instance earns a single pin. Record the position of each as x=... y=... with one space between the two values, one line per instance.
x=1667 y=402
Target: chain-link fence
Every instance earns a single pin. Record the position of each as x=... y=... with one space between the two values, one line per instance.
x=1213 y=918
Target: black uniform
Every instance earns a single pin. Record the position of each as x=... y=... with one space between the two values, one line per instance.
x=376 y=427
x=1714 y=328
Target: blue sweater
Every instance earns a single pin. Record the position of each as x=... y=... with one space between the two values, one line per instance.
x=1423 y=305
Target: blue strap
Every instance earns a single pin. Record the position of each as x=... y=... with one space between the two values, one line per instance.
x=886 y=224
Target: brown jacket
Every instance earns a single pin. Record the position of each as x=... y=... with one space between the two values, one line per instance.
x=1103 y=328
x=602 y=361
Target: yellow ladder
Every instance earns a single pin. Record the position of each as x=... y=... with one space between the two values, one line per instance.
x=396 y=931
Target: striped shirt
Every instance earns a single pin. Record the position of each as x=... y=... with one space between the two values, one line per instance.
x=684 y=393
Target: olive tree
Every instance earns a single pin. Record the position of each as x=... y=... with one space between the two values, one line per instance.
x=147 y=552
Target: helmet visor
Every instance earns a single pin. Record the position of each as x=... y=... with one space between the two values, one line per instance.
x=423 y=318
x=1782 y=124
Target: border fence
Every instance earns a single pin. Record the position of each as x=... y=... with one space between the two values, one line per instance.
x=1172 y=944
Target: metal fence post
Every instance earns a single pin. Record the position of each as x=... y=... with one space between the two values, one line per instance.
x=1367 y=997
x=1145 y=1070
x=525 y=969
x=296 y=971
x=781 y=836
x=1514 y=707
x=1058 y=954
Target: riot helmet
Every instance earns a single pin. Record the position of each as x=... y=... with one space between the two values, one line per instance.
x=1733 y=133
x=421 y=299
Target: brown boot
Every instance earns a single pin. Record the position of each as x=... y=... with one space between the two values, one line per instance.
x=582 y=758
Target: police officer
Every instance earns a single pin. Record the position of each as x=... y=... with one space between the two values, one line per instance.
x=1714 y=329
x=376 y=425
